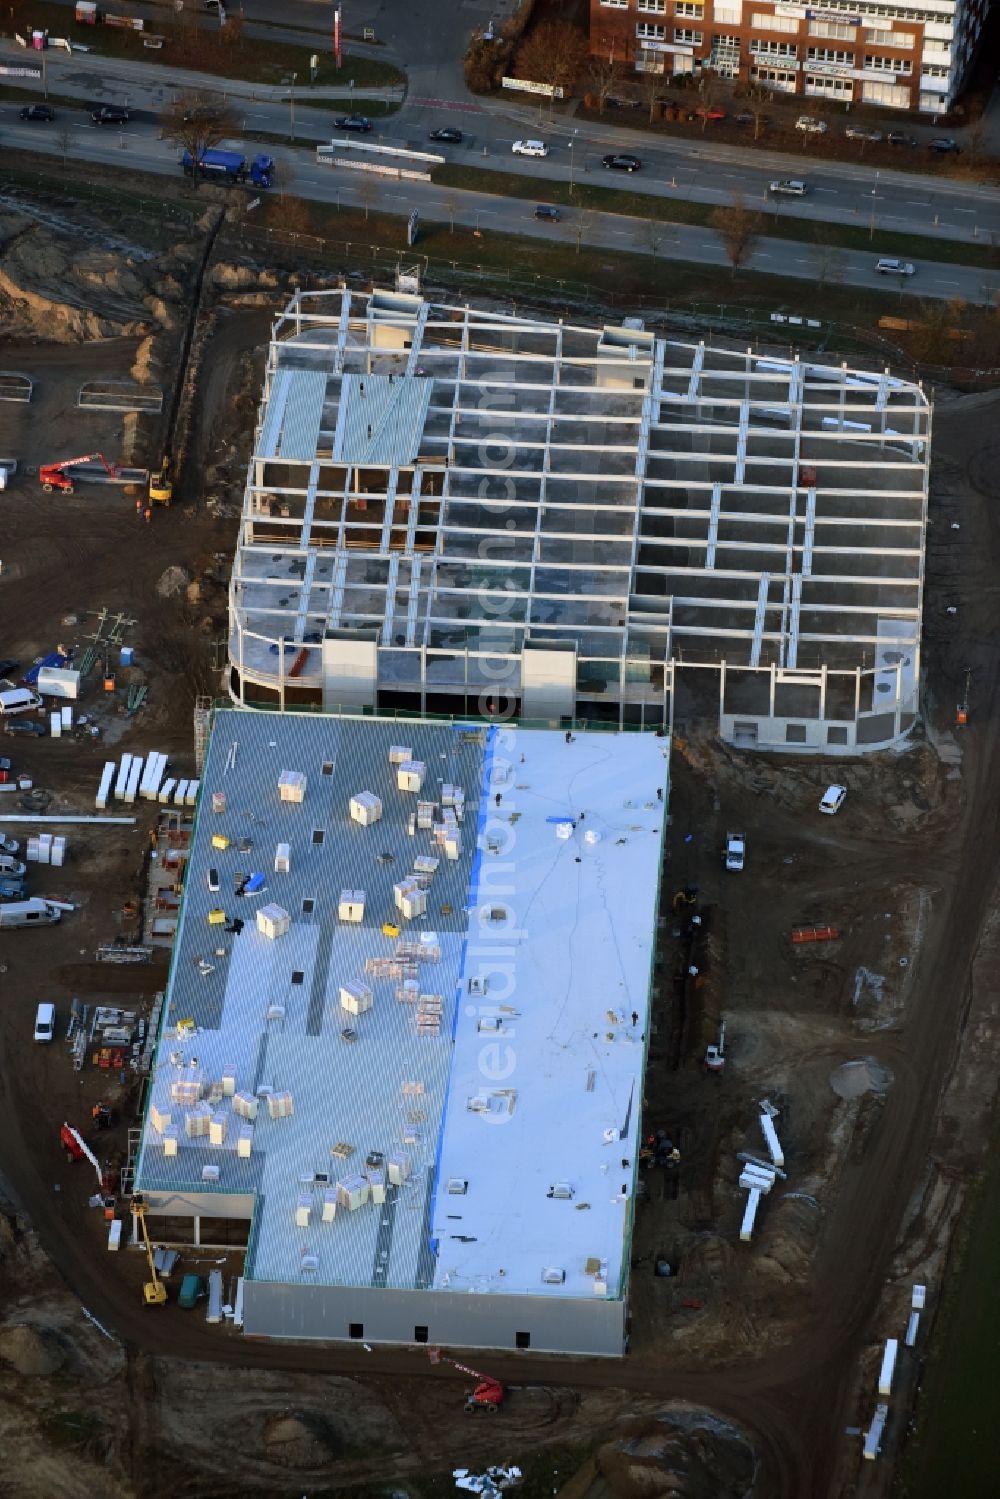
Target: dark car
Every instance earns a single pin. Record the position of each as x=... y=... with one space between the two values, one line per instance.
x=25 y=726
x=38 y=112
x=617 y=162
x=547 y=211
x=448 y=134
x=945 y=146
x=110 y=114
x=898 y=138
x=353 y=122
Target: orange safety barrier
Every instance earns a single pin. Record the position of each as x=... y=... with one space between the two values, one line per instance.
x=800 y=934
x=298 y=663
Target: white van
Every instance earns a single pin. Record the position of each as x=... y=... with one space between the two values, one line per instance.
x=833 y=800
x=18 y=700
x=31 y=912
x=45 y=1022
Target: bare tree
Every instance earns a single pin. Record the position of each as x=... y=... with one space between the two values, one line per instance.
x=831 y=265
x=197 y=122
x=582 y=229
x=757 y=104
x=652 y=87
x=553 y=53
x=282 y=177
x=369 y=192
x=64 y=136
x=738 y=227
x=603 y=73
x=452 y=205
x=656 y=234
x=710 y=89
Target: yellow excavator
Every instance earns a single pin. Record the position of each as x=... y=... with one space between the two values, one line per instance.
x=154 y=1292
x=161 y=486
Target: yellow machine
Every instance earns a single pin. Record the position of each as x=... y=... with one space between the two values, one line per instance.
x=154 y=1292
x=161 y=486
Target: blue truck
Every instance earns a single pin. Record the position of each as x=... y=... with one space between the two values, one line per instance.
x=230 y=166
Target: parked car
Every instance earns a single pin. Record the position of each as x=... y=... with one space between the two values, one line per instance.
x=360 y=123
x=110 y=114
x=809 y=125
x=38 y=112
x=900 y=138
x=8 y=667
x=45 y=1022
x=707 y=112
x=890 y=266
x=747 y=117
x=191 y=1292
x=945 y=146
x=788 y=187
x=862 y=133
x=833 y=799
x=448 y=134
x=25 y=726
x=530 y=148
x=619 y=162
x=547 y=211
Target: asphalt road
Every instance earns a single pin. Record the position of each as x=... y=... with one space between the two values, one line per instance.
x=138 y=147
x=690 y=168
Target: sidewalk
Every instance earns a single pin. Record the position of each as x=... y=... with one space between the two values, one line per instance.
x=143 y=79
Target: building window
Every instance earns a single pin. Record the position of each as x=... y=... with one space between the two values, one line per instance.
x=694 y=12
x=833 y=29
x=318 y=835
x=795 y=733
x=649 y=62
x=761 y=22
x=649 y=31
x=328 y=767
x=890 y=38
x=308 y=905
x=934 y=72
x=836 y=734
x=826 y=85
x=685 y=37
x=783 y=83
x=420 y=1334
x=726 y=42
x=356 y=1330
x=901 y=65
x=830 y=54
x=522 y=1340
x=728 y=15
x=654 y=7
x=615 y=4
x=297 y=975
x=774 y=49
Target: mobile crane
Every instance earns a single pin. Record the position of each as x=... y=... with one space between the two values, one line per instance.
x=488 y=1395
x=55 y=476
x=154 y=1292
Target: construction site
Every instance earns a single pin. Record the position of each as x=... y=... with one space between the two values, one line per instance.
x=811 y=1050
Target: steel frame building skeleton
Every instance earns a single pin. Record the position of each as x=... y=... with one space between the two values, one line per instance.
x=450 y=504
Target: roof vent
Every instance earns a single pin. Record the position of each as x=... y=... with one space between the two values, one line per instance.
x=457 y=1186
x=562 y=1191
x=553 y=1276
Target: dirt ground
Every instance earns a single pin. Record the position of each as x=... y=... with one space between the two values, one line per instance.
x=878 y=1050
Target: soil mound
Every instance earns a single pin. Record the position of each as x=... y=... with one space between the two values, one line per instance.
x=300 y=1439
x=854 y=1079
x=689 y=1453
x=30 y=1350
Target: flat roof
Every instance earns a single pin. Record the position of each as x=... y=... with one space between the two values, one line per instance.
x=511 y=1065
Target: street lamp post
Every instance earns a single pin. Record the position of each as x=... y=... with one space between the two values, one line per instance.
x=572 y=148
x=871 y=225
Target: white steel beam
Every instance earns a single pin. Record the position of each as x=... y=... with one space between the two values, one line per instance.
x=758 y=624
x=713 y=525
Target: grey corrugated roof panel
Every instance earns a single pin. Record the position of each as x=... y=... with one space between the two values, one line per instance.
x=303 y=414
x=383 y=419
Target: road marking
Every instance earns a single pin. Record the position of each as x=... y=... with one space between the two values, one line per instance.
x=834 y=190
x=965 y=210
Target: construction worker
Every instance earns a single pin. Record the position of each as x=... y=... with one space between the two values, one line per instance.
x=147 y=514
x=138 y=507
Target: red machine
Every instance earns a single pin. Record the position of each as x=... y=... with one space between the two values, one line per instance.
x=488 y=1394
x=54 y=476
x=77 y=1149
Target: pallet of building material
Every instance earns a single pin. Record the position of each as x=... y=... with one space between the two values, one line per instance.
x=802 y=934
x=112 y=953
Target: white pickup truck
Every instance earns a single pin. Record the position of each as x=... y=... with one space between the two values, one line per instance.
x=736 y=849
